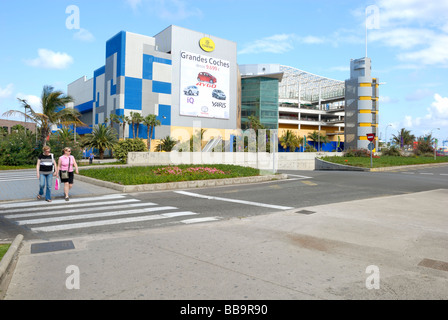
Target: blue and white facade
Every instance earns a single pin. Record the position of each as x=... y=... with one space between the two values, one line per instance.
x=144 y=74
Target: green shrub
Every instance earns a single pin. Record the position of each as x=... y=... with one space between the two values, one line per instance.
x=391 y=151
x=129 y=145
x=357 y=153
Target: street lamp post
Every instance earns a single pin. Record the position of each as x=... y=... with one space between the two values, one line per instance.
x=435 y=144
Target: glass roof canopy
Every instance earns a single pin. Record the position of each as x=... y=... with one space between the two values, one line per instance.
x=309 y=85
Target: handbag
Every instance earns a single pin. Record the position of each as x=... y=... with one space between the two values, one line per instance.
x=64 y=173
x=56 y=186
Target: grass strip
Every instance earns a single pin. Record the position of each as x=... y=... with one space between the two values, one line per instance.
x=384 y=161
x=3 y=249
x=162 y=174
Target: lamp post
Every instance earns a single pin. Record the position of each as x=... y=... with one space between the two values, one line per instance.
x=385 y=138
x=435 y=143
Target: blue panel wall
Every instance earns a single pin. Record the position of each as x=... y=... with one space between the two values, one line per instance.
x=161 y=87
x=117 y=44
x=85 y=107
x=164 y=115
x=133 y=93
x=147 y=66
x=148 y=62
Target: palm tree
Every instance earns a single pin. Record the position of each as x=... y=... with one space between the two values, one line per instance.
x=123 y=120
x=289 y=139
x=403 y=138
x=101 y=138
x=135 y=120
x=317 y=137
x=167 y=144
x=151 y=122
x=53 y=112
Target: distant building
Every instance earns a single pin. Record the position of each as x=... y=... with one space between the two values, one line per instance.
x=8 y=124
x=361 y=105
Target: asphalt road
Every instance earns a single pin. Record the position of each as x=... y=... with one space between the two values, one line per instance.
x=86 y=214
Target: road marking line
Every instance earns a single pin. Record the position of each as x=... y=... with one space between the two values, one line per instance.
x=21 y=179
x=66 y=206
x=299 y=176
x=198 y=220
x=309 y=183
x=427 y=173
x=105 y=222
x=51 y=213
x=93 y=215
x=258 y=204
x=444 y=174
x=41 y=203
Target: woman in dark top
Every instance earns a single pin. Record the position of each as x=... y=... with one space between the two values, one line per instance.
x=46 y=168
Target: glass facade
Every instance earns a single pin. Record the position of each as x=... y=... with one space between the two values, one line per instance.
x=259 y=98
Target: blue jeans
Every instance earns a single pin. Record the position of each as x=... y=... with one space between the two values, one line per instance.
x=48 y=179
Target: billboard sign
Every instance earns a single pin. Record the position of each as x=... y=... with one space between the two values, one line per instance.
x=204 y=86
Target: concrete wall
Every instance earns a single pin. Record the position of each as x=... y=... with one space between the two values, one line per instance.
x=264 y=161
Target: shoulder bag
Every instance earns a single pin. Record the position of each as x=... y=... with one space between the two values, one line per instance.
x=64 y=173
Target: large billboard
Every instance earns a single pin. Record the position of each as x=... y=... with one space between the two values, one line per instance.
x=204 y=86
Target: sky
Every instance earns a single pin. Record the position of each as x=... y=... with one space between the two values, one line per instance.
x=43 y=44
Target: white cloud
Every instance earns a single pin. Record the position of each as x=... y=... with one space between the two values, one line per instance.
x=84 y=35
x=279 y=43
x=6 y=92
x=436 y=117
x=51 y=60
x=419 y=29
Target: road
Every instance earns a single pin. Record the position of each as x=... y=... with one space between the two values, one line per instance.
x=95 y=210
x=317 y=235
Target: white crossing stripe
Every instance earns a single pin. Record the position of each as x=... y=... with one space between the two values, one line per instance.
x=234 y=200
x=64 y=206
x=41 y=203
x=107 y=222
x=52 y=213
x=198 y=220
x=93 y=215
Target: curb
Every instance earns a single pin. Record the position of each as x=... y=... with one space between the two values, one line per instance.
x=181 y=184
x=322 y=165
x=10 y=254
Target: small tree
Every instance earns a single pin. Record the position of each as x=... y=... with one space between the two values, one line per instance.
x=123 y=147
x=101 y=138
x=151 y=122
x=289 y=139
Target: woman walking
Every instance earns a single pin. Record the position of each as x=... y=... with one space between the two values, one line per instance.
x=66 y=163
x=46 y=168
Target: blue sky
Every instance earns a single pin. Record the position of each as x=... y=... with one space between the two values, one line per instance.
x=408 y=48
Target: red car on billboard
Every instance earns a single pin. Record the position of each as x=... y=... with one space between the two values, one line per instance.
x=206 y=77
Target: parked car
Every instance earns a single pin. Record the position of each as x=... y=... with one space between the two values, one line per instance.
x=218 y=94
x=207 y=77
x=191 y=90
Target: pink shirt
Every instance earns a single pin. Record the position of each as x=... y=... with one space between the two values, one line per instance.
x=64 y=163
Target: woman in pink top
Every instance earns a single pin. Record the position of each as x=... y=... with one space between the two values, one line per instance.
x=66 y=163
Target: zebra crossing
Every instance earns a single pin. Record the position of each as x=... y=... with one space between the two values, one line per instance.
x=89 y=212
x=18 y=175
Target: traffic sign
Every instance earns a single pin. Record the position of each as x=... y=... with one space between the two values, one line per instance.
x=371 y=146
x=370 y=137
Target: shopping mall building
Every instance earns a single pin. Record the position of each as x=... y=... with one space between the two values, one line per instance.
x=192 y=80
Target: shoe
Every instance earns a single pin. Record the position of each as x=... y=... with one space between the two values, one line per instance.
x=67 y=199
x=39 y=197
x=48 y=200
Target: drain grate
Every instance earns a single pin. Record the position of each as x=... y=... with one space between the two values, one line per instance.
x=306 y=212
x=434 y=264
x=52 y=246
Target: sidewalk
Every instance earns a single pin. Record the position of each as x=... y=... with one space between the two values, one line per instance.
x=28 y=189
x=320 y=253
